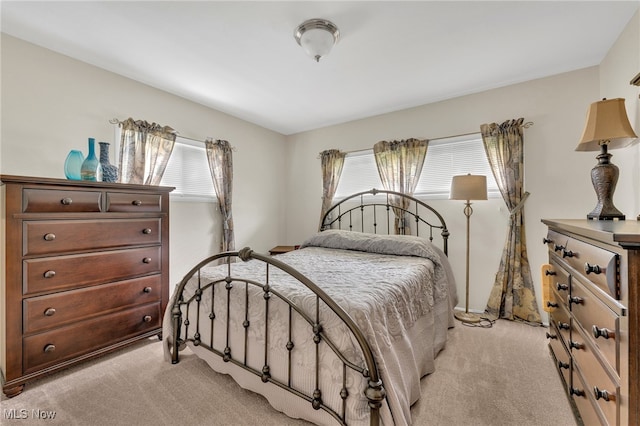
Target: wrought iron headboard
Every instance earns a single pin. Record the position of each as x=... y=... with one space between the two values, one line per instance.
x=364 y=210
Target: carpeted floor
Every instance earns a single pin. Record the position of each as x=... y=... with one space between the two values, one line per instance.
x=485 y=376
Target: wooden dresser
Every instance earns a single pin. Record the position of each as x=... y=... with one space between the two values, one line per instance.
x=594 y=320
x=84 y=272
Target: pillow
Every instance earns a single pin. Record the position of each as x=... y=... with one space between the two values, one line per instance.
x=400 y=245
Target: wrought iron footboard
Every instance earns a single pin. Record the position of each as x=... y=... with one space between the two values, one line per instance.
x=184 y=331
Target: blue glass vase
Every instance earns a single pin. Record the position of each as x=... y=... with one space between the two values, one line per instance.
x=109 y=171
x=73 y=164
x=91 y=168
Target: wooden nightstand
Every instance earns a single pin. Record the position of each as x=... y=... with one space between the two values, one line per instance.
x=282 y=249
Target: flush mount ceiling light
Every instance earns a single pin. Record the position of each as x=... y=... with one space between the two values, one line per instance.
x=317 y=37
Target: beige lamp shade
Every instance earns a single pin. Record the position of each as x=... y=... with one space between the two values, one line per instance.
x=607 y=123
x=468 y=187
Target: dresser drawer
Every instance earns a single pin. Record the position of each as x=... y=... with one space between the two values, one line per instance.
x=59 y=201
x=594 y=264
x=45 y=349
x=561 y=321
x=604 y=391
x=597 y=320
x=46 y=312
x=43 y=237
x=560 y=284
x=123 y=202
x=583 y=399
x=560 y=354
x=65 y=272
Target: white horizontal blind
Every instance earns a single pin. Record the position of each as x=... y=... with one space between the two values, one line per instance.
x=359 y=173
x=188 y=171
x=445 y=158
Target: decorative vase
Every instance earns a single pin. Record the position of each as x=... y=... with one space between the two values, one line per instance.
x=73 y=164
x=91 y=168
x=109 y=171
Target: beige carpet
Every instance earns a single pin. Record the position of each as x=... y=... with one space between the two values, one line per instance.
x=495 y=376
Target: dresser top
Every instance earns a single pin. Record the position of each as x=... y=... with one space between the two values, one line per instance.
x=623 y=232
x=80 y=183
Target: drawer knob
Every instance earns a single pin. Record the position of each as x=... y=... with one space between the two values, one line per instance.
x=551 y=336
x=147 y=290
x=557 y=247
x=66 y=201
x=146 y=260
x=575 y=299
x=551 y=304
x=605 y=333
x=577 y=392
x=147 y=318
x=136 y=202
x=568 y=253
x=564 y=326
x=546 y=240
x=564 y=365
x=49 y=237
x=49 y=274
x=592 y=268
x=548 y=272
x=575 y=345
x=603 y=394
x=562 y=287
x=49 y=348
x=146 y=231
x=49 y=312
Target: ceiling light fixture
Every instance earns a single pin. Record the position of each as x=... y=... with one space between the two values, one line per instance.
x=317 y=37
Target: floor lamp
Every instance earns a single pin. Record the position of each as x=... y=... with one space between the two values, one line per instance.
x=468 y=187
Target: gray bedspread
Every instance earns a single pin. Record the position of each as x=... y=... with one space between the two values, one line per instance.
x=387 y=284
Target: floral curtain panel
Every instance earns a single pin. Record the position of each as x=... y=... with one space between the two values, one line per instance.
x=513 y=295
x=219 y=155
x=399 y=166
x=332 y=161
x=144 y=151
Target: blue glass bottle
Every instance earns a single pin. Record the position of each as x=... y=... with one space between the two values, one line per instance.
x=91 y=168
x=73 y=164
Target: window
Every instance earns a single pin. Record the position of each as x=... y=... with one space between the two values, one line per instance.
x=446 y=158
x=188 y=171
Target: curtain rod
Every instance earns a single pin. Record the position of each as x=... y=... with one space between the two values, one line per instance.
x=118 y=122
x=525 y=125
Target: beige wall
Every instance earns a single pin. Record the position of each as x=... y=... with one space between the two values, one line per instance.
x=557 y=177
x=52 y=104
x=621 y=64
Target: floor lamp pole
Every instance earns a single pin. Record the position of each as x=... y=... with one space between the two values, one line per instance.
x=467 y=316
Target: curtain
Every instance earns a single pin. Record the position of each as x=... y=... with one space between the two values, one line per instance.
x=220 y=160
x=513 y=295
x=144 y=151
x=331 y=162
x=399 y=166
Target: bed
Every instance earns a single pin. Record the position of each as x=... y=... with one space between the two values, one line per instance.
x=339 y=331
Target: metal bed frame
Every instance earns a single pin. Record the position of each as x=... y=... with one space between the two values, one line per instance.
x=184 y=331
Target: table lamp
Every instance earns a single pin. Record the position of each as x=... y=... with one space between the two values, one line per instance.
x=468 y=187
x=607 y=127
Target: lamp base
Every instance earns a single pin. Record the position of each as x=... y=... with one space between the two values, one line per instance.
x=467 y=317
x=604 y=177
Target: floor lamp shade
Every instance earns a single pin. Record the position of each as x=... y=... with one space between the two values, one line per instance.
x=468 y=187
x=607 y=126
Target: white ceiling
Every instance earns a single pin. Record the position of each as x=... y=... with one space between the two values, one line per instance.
x=241 y=58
